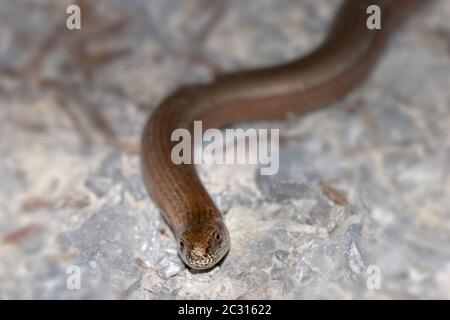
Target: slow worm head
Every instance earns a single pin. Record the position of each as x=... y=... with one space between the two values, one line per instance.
x=204 y=244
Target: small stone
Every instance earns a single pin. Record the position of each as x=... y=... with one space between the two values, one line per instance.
x=107 y=174
x=115 y=195
x=110 y=166
x=136 y=186
x=355 y=260
x=170 y=265
x=281 y=254
x=99 y=186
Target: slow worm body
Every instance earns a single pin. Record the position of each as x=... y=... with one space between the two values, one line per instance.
x=342 y=61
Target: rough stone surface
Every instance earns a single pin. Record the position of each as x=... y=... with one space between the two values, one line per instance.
x=71 y=192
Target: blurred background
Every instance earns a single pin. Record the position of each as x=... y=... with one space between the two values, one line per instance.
x=363 y=183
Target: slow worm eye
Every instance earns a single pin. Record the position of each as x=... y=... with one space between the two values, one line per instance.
x=218 y=236
x=181 y=244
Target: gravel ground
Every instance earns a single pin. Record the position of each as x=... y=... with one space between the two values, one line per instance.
x=72 y=201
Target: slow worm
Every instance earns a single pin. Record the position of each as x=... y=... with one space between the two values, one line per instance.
x=340 y=63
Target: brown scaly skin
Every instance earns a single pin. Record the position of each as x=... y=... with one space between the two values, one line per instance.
x=309 y=83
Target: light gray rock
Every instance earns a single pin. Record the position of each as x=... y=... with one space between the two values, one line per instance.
x=136 y=186
x=385 y=148
x=107 y=243
x=170 y=265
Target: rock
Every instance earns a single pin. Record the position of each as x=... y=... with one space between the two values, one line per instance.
x=170 y=265
x=136 y=187
x=107 y=242
x=108 y=173
x=385 y=147
x=281 y=255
